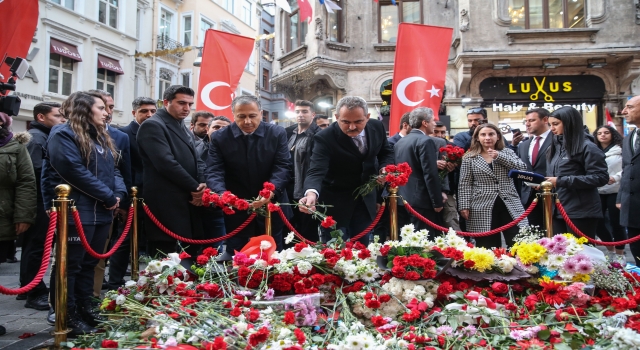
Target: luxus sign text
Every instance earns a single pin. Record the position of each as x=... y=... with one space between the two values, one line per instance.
x=514 y=108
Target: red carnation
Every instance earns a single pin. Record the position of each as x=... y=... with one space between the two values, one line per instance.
x=384 y=250
x=289 y=318
x=328 y=222
x=202 y=259
x=372 y=303
x=210 y=251
x=412 y=276
x=269 y=186
x=384 y=298
x=272 y=207
x=218 y=344
x=469 y=264
x=364 y=253
x=235 y=312
x=259 y=337
x=242 y=204
x=299 y=335
x=109 y=344
x=378 y=321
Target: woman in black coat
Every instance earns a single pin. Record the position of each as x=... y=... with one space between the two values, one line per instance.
x=81 y=154
x=576 y=167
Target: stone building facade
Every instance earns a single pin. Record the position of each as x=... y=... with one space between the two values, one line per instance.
x=498 y=48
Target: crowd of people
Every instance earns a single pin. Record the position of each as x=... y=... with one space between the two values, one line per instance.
x=313 y=165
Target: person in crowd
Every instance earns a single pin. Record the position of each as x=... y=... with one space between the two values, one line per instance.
x=576 y=167
x=82 y=154
x=45 y=116
x=345 y=156
x=171 y=173
x=218 y=123
x=300 y=144
x=17 y=188
x=475 y=117
x=487 y=196
x=628 y=200
x=200 y=124
x=424 y=189
x=242 y=157
x=405 y=127
x=321 y=121
x=450 y=209
x=531 y=151
x=609 y=140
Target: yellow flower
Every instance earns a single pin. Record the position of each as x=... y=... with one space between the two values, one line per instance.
x=544 y=279
x=530 y=253
x=581 y=278
x=483 y=258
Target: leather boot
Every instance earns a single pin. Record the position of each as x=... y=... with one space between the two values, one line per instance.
x=76 y=325
x=90 y=313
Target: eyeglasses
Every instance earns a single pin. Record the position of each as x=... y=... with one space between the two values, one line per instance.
x=477 y=110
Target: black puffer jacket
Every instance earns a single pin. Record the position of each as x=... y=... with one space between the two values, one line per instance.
x=578 y=179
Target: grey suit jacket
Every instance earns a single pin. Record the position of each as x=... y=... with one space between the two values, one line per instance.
x=629 y=193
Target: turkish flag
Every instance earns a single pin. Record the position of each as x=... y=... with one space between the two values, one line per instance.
x=224 y=57
x=420 y=69
x=306 y=12
x=19 y=21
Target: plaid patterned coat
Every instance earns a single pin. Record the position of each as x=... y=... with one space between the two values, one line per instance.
x=480 y=186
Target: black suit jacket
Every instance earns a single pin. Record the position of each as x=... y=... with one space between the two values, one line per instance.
x=338 y=168
x=394 y=139
x=124 y=162
x=629 y=193
x=540 y=167
x=136 y=161
x=421 y=153
x=170 y=174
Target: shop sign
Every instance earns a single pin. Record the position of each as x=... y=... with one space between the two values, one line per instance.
x=514 y=108
x=543 y=88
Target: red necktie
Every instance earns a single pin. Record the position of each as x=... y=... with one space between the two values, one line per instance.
x=536 y=148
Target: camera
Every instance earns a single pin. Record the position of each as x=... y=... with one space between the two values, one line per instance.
x=11 y=104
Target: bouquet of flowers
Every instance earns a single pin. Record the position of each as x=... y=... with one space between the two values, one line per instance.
x=394 y=175
x=228 y=201
x=452 y=154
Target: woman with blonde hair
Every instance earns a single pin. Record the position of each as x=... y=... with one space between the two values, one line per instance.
x=81 y=154
x=487 y=197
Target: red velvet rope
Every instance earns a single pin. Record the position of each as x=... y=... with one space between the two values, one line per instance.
x=472 y=234
x=194 y=241
x=370 y=227
x=573 y=227
x=85 y=243
x=293 y=229
x=46 y=257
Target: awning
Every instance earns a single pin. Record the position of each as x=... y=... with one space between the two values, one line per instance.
x=66 y=50
x=109 y=64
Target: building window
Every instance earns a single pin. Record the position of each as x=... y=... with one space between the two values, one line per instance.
x=274 y=117
x=166 y=18
x=165 y=81
x=204 y=26
x=546 y=14
x=246 y=12
x=389 y=16
x=265 y=116
x=107 y=81
x=60 y=74
x=334 y=26
x=296 y=29
x=186 y=79
x=266 y=42
x=265 y=79
x=187 y=28
x=66 y=3
x=228 y=5
x=108 y=12
x=251 y=63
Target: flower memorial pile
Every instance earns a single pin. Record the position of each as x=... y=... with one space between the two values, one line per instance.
x=404 y=294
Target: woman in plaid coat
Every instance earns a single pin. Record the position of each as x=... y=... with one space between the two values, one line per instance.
x=487 y=197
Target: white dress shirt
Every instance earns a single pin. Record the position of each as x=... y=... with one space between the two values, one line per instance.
x=543 y=138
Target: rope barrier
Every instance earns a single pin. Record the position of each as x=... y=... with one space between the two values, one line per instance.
x=573 y=227
x=46 y=257
x=370 y=227
x=194 y=241
x=293 y=229
x=85 y=243
x=472 y=234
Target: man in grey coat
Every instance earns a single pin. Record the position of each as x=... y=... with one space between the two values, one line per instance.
x=628 y=200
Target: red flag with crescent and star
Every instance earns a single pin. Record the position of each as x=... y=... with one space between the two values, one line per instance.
x=19 y=21
x=420 y=69
x=224 y=57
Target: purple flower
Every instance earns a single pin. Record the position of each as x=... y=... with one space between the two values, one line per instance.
x=545 y=242
x=444 y=330
x=581 y=257
x=584 y=267
x=559 y=239
x=558 y=249
x=269 y=294
x=570 y=265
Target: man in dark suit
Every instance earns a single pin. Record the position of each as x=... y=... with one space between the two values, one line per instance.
x=423 y=191
x=628 y=200
x=532 y=151
x=404 y=130
x=345 y=156
x=242 y=157
x=173 y=187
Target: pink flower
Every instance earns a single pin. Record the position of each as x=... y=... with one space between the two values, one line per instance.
x=584 y=267
x=559 y=239
x=570 y=265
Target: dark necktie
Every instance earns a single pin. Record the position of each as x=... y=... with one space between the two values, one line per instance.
x=536 y=149
x=636 y=144
x=360 y=144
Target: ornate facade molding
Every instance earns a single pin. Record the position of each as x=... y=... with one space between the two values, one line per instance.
x=552 y=36
x=299 y=54
x=597 y=11
x=385 y=47
x=374 y=90
x=501 y=13
x=337 y=46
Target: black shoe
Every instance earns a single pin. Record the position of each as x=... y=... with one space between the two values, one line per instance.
x=51 y=317
x=76 y=325
x=90 y=313
x=22 y=296
x=40 y=303
x=3 y=330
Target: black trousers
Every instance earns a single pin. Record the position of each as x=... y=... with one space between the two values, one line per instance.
x=635 y=246
x=536 y=218
x=617 y=233
x=119 y=261
x=499 y=216
x=405 y=218
x=360 y=220
x=587 y=226
x=32 y=251
x=305 y=224
x=80 y=265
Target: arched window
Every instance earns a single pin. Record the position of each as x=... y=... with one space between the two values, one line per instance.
x=546 y=14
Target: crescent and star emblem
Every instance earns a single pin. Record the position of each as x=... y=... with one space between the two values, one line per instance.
x=400 y=91
x=205 y=95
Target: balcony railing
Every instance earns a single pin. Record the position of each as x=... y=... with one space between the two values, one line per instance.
x=166 y=43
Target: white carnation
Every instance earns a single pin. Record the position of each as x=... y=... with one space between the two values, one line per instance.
x=304 y=267
x=120 y=299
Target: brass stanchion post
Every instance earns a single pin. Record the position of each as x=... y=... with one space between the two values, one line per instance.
x=547 y=201
x=393 y=213
x=267 y=223
x=134 y=234
x=60 y=330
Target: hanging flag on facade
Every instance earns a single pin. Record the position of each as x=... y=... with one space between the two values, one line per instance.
x=283 y=4
x=306 y=12
x=224 y=57
x=419 y=70
x=609 y=119
x=19 y=21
